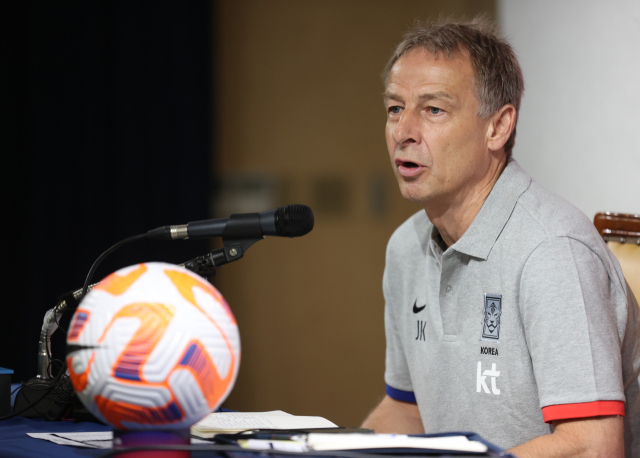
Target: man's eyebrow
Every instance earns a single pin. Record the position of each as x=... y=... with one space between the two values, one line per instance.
x=435 y=95
x=386 y=95
x=423 y=97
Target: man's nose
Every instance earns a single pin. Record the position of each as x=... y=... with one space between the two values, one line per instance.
x=406 y=131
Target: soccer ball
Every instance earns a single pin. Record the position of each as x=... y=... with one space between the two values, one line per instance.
x=153 y=346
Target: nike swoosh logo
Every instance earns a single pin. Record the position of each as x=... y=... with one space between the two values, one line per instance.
x=417 y=309
x=71 y=348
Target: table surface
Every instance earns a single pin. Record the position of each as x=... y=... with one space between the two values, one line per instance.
x=14 y=442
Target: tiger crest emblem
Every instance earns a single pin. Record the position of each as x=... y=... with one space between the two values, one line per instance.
x=491 y=317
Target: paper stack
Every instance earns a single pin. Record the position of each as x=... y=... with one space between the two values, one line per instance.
x=324 y=442
x=233 y=422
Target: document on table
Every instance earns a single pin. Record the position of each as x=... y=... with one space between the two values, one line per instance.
x=212 y=424
x=324 y=442
x=233 y=422
x=96 y=439
x=320 y=442
x=301 y=443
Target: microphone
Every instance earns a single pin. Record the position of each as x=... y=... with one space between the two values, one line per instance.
x=288 y=221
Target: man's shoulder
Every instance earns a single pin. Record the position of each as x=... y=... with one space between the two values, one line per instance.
x=546 y=219
x=550 y=216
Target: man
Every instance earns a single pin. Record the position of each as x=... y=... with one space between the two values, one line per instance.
x=505 y=312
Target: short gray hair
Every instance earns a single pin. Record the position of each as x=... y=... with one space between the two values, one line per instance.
x=497 y=73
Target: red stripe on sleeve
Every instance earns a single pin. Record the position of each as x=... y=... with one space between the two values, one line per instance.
x=582 y=410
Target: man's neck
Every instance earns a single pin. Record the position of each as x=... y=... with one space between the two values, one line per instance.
x=453 y=217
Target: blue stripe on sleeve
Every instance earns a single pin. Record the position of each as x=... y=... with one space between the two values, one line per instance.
x=399 y=395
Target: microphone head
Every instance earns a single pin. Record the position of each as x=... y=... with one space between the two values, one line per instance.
x=293 y=220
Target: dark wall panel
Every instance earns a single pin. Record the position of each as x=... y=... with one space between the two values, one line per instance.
x=105 y=134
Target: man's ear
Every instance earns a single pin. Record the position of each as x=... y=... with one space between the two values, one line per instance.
x=502 y=124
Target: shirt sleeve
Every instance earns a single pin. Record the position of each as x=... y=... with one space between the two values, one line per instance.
x=572 y=330
x=396 y=376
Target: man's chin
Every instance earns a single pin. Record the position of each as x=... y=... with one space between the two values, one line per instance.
x=415 y=199
x=414 y=193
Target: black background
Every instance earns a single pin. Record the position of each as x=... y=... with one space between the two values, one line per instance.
x=106 y=133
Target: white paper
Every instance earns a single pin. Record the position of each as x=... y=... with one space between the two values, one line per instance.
x=270 y=413
x=96 y=439
x=230 y=422
x=282 y=446
x=322 y=442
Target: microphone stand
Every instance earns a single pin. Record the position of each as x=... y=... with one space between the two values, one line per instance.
x=241 y=231
x=31 y=391
x=49 y=326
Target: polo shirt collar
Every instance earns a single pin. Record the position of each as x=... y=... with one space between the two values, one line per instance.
x=434 y=246
x=479 y=239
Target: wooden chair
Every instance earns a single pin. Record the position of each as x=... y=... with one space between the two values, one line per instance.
x=622 y=234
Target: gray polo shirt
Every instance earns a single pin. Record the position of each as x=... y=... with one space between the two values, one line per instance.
x=526 y=319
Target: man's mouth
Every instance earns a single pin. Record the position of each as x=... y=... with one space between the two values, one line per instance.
x=408 y=168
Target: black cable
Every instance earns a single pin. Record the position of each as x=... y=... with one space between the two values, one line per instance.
x=48 y=390
x=104 y=255
x=55 y=317
x=58 y=383
x=63 y=365
x=62 y=400
x=55 y=386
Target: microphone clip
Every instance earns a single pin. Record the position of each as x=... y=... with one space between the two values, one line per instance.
x=235 y=242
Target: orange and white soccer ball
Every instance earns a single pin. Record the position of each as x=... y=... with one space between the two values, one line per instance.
x=153 y=346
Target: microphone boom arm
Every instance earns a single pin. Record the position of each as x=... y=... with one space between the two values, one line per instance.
x=239 y=232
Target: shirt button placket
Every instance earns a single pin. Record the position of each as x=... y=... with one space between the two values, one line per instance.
x=448 y=310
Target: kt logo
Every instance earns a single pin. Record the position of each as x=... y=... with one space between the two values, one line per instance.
x=481 y=383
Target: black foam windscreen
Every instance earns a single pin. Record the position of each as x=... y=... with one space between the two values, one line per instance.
x=294 y=220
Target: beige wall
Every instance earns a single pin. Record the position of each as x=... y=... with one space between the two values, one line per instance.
x=298 y=99
x=577 y=55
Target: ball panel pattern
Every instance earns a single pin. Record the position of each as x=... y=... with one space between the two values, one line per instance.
x=185 y=282
x=180 y=382
x=197 y=361
x=79 y=320
x=123 y=415
x=80 y=379
x=154 y=319
x=117 y=283
x=146 y=395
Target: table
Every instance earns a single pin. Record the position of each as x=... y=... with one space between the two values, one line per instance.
x=14 y=442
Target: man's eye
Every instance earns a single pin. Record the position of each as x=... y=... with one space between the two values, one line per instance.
x=435 y=111
x=395 y=109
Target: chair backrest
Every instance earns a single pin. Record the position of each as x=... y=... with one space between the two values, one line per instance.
x=622 y=234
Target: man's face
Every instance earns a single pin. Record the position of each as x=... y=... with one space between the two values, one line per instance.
x=436 y=140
